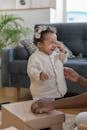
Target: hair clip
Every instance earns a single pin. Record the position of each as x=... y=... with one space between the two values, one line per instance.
x=38 y=31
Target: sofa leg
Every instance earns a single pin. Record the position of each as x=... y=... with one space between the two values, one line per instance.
x=18 y=93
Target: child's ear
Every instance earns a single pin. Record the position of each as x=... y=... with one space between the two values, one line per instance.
x=39 y=45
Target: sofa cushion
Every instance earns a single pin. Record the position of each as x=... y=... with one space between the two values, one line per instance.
x=80 y=65
x=19 y=80
x=20 y=53
x=75 y=45
x=73 y=39
x=30 y=47
x=18 y=67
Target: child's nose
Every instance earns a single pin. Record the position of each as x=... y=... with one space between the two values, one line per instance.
x=54 y=46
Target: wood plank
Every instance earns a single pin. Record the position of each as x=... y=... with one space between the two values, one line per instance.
x=73 y=110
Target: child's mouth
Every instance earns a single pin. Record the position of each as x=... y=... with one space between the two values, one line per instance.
x=52 y=49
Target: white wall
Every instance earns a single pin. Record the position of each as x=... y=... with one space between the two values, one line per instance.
x=56 y=16
x=27 y=4
x=15 y=4
x=7 y=4
x=34 y=15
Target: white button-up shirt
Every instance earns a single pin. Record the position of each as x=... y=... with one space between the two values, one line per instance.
x=52 y=65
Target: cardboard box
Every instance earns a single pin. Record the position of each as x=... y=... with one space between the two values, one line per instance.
x=10 y=128
x=20 y=116
x=82 y=126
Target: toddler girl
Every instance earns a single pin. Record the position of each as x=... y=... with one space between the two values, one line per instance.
x=45 y=65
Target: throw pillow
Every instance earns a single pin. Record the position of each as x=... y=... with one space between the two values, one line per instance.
x=30 y=47
x=28 y=44
x=79 y=56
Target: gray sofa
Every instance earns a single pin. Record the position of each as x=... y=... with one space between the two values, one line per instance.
x=73 y=35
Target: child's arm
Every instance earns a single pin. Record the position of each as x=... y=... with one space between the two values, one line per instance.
x=34 y=70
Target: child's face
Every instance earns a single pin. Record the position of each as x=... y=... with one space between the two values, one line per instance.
x=49 y=43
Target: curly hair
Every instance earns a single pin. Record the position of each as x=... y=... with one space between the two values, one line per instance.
x=41 y=31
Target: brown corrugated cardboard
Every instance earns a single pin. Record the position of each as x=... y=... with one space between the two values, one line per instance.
x=82 y=126
x=10 y=128
x=19 y=115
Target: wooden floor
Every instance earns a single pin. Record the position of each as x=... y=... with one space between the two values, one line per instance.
x=11 y=94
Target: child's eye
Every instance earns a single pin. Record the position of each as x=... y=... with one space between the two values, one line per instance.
x=56 y=42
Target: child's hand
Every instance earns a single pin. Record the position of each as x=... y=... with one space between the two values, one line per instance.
x=61 y=47
x=43 y=76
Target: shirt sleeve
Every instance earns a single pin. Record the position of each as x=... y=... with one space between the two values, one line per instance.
x=33 y=69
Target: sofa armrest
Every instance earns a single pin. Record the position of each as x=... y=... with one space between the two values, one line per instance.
x=7 y=55
x=82 y=126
